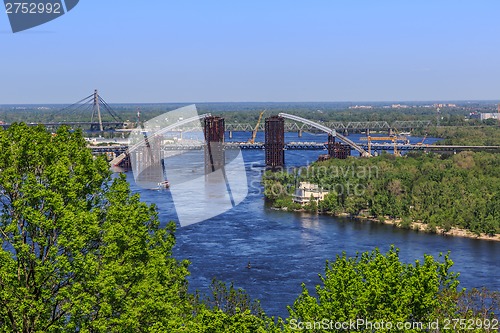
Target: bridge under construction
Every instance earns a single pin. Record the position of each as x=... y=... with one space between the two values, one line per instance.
x=214 y=133
x=104 y=118
x=153 y=145
x=335 y=145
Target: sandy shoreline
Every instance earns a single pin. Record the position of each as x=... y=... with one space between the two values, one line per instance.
x=422 y=227
x=416 y=226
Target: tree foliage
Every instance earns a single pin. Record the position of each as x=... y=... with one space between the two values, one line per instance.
x=373 y=288
x=376 y=287
x=461 y=190
x=465 y=135
x=249 y=112
x=79 y=254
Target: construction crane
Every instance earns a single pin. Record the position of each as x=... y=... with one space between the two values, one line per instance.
x=422 y=142
x=401 y=138
x=393 y=138
x=254 y=132
x=381 y=138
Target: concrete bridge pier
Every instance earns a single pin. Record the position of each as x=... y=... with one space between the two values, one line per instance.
x=214 y=144
x=299 y=133
x=275 y=142
x=331 y=146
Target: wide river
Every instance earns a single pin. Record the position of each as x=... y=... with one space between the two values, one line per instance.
x=288 y=249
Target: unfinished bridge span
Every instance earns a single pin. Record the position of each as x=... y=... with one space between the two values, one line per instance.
x=327 y=130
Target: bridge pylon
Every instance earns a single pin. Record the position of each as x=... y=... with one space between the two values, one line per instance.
x=331 y=146
x=96 y=112
x=275 y=142
x=214 y=147
x=337 y=149
x=103 y=116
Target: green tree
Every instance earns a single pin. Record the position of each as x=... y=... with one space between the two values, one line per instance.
x=330 y=203
x=79 y=253
x=443 y=191
x=312 y=205
x=376 y=287
x=230 y=310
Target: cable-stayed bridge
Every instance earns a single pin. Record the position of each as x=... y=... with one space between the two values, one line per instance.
x=103 y=117
x=101 y=114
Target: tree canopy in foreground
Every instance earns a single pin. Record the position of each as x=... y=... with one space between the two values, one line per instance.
x=81 y=253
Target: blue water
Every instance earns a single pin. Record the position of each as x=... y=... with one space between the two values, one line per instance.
x=287 y=249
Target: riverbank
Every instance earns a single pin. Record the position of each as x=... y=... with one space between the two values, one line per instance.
x=416 y=226
x=423 y=227
x=461 y=190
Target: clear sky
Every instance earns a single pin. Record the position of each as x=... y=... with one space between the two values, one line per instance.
x=256 y=50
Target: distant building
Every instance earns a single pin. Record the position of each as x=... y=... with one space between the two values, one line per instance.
x=445 y=105
x=361 y=107
x=485 y=116
x=475 y=115
x=306 y=190
x=399 y=106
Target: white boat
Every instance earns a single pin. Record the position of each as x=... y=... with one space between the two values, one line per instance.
x=161 y=186
x=164 y=184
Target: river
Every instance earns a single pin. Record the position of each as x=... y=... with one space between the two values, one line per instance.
x=287 y=249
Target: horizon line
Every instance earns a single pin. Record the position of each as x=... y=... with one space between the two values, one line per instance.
x=279 y=102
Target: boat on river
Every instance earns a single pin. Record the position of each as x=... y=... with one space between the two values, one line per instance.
x=162 y=185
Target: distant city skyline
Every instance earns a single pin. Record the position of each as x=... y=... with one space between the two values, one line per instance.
x=355 y=51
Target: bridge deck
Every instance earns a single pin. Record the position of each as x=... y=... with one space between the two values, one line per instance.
x=298 y=146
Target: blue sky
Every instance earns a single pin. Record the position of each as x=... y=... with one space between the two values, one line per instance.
x=258 y=50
